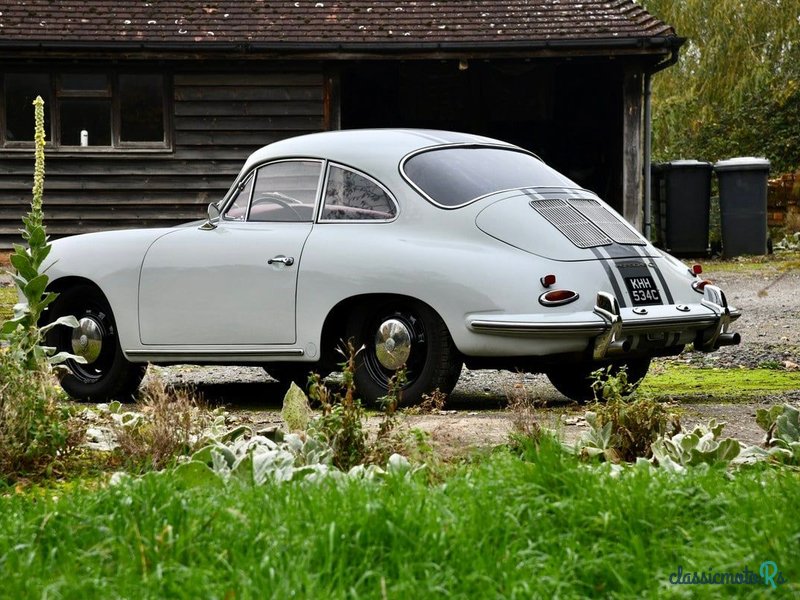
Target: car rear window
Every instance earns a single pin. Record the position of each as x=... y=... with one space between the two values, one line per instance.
x=453 y=177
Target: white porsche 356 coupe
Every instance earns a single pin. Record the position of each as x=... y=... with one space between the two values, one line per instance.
x=430 y=249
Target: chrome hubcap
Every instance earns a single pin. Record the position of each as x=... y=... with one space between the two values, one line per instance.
x=87 y=339
x=393 y=344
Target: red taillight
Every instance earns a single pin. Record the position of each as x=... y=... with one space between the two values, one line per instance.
x=699 y=286
x=548 y=280
x=697 y=269
x=558 y=297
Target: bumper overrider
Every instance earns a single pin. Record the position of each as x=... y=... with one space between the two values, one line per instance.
x=705 y=324
x=711 y=330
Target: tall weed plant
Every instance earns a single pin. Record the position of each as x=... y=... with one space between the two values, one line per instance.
x=342 y=422
x=36 y=433
x=623 y=425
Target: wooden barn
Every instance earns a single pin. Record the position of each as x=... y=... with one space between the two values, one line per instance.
x=152 y=106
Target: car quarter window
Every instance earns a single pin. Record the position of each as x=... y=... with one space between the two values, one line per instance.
x=285 y=191
x=351 y=196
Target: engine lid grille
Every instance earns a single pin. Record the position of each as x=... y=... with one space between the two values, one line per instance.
x=586 y=223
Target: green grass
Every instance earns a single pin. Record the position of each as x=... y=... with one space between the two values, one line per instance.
x=768 y=264
x=685 y=382
x=8 y=298
x=504 y=527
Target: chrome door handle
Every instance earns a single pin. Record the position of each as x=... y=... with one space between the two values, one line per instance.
x=286 y=260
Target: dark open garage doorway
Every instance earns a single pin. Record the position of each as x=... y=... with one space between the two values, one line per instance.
x=569 y=113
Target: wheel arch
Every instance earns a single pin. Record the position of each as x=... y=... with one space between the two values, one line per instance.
x=62 y=284
x=333 y=328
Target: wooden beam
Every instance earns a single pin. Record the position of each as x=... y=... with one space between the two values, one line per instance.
x=632 y=149
x=332 y=101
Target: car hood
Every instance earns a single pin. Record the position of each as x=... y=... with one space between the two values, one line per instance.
x=563 y=224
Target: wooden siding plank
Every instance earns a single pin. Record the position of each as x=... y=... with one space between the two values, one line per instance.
x=9 y=234
x=237 y=94
x=56 y=198
x=239 y=153
x=248 y=79
x=232 y=138
x=249 y=123
x=106 y=214
x=190 y=108
x=130 y=182
x=94 y=168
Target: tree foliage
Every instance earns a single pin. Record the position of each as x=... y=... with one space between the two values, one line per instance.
x=736 y=88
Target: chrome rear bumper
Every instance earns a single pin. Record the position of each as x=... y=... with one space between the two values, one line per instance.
x=712 y=330
x=610 y=334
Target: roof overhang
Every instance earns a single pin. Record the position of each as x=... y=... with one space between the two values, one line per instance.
x=657 y=47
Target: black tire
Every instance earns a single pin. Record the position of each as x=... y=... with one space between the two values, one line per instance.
x=575 y=382
x=109 y=375
x=433 y=360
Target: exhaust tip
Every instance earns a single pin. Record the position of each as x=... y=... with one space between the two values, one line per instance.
x=729 y=339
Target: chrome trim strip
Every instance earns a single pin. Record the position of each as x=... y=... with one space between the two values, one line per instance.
x=527 y=327
x=668 y=323
x=593 y=328
x=206 y=353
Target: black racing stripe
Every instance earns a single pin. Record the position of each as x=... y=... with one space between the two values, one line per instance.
x=610 y=273
x=659 y=274
x=616 y=250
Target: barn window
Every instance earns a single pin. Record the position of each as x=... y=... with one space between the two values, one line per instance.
x=19 y=94
x=141 y=113
x=87 y=110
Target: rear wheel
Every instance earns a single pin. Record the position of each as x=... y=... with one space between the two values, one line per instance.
x=107 y=374
x=575 y=381
x=402 y=333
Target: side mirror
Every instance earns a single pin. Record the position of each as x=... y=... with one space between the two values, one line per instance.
x=213 y=217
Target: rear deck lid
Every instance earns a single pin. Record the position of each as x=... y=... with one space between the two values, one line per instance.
x=561 y=224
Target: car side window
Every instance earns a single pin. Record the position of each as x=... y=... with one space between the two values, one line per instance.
x=285 y=191
x=351 y=196
x=237 y=211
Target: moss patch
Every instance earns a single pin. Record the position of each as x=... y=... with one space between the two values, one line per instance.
x=687 y=383
x=769 y=264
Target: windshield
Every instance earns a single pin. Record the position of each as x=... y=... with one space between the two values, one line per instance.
x=455 y=176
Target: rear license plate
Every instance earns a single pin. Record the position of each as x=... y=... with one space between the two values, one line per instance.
x=643 y=290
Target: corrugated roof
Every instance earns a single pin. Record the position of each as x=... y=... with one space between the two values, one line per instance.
x=310 y=22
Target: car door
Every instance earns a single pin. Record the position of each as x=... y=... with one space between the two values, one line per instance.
x=234 y=284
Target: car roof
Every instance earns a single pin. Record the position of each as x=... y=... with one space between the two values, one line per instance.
x=365 y=148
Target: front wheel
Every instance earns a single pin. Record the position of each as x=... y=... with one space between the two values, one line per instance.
x=575 y=381
x=107 y=374
x=402 y=333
